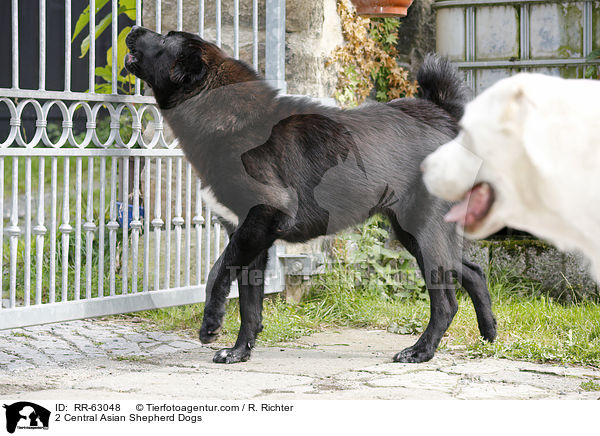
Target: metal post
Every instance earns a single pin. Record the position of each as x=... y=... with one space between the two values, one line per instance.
x=275 y=44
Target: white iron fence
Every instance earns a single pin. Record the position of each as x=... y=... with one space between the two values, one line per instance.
x=97 y=223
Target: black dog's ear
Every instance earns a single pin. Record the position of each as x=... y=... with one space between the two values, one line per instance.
x=188 y=68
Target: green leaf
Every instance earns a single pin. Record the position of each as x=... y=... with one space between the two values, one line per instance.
x=104 y=88
x=84 y=18
x=128 y=7
x=594 y=55
x=129 y=79
x=105 y=73
x=101 y=27
x=121 y=50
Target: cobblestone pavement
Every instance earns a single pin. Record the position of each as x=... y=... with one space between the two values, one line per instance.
x=117 y=360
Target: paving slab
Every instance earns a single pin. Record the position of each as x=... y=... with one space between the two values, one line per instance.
x=114 y=359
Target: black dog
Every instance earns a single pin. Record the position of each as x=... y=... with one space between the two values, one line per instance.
x=287 y=168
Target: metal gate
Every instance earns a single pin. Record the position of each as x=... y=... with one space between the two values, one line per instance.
x=493 y=39
x=95 y=225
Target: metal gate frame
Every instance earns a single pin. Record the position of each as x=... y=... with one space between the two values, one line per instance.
x=471 y=65
x=200 y=228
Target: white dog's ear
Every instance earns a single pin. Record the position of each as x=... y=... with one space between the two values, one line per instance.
x=515 y=107
x=521 y=119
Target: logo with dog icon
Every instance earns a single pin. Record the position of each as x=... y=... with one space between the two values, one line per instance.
x=26 y=415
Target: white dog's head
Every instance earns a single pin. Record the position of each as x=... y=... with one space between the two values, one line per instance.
x=488 y=163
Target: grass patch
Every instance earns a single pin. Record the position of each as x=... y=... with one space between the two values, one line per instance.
x=285 y=322
x=130 y=358
x=590 y=386
x=530 y=327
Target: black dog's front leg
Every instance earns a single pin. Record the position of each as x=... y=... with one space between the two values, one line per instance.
x=256 y=234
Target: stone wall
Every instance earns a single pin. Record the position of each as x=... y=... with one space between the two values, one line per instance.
x=313 y=31
x=416 y=34
x=560 y=275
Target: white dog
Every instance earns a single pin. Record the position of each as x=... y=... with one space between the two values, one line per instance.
x=527 y=157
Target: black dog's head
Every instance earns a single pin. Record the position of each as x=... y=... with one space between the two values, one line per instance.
x=176 y=65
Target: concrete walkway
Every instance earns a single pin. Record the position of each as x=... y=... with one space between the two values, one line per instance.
x=117 y=360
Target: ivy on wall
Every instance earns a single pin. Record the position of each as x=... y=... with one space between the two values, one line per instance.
x=367 y=60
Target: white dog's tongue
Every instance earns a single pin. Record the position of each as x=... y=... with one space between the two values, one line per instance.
x=474 y=206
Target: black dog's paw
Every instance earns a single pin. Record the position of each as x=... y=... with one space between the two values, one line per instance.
x=489 y=332
x=413 y=355
x=208 y=334
x=232 y=355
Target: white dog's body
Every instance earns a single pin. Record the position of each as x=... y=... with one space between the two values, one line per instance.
x=527 y=157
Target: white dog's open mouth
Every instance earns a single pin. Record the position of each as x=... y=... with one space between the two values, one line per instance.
x=473 y=208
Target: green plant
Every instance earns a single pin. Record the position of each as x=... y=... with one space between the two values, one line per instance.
x=593 y=71
x=125 y=79
x=590 y=386
x=367 y=60
x=372 y=266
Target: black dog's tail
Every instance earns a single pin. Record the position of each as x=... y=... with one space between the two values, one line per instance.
x=441 y=83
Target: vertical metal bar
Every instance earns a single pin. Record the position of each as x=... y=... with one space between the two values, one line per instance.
x=188 y=221
x=89 y=228
x=524 y=36
x=138 y=22
x=179 y=15
x=236 y=29
x=168 y=206
x=92 y=50
x=27 y=251
x=201 y=18
x=198 y=221
x=42 y=54
x=1 y=229
x=15 y=44
x=178 y=222
x=157 y=223
x=67 y=46
x=114 y=29
x=65 y=228
x=39 y=230
x=112 y=225
x=135 y=223
x=101 y=219
x=218 y=21
x=146 y=222
x=255 y=34
x=207 y=242
x=125 y=241
x=587 y=28
x=78 y=183
x=158 y=16
x=53 y=210
x=275 y=44
x=470 y=44
x=14 y=232
x=217 y=233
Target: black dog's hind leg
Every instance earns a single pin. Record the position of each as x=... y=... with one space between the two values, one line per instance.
x=256 y=234
x=473 y=280
x=443 y=307
x=442 y=296
x=251 y=287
